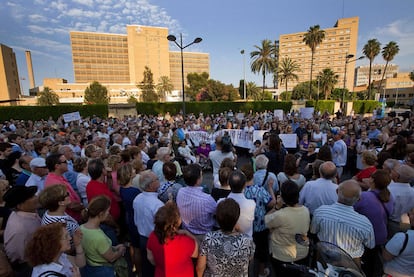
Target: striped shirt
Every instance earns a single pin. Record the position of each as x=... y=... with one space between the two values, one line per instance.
x=71 y=224
x=197 y=209
x=341 y=225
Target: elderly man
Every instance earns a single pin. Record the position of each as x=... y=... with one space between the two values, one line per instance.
x=339 y=153
x=21 y=224
x=341 y=225
x=24 y=163
x=403 y=194
x=146 y=205
x=321 y=191
x=38 y=176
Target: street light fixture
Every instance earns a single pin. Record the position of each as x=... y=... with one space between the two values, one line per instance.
x=348 y=60
x=180 y=45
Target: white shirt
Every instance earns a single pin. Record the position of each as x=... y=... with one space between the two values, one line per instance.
x=247 y=207
x=36 y=180
x=146 y=205
x=63 y=266
x=216 y=157
x=404 y=199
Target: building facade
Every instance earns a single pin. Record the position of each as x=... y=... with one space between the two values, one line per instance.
x=340 y=41
x=398 y=89
x=377 y=70
x=9 y=76
x=121 y=59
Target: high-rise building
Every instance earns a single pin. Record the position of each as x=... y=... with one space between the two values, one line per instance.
x=377 y=70
x=339 y=42
x=9 y=75
x=119 y=58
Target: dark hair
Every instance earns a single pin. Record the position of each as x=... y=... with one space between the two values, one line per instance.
x=97 y=205
x=45 y=244
x=227 y=162
x=247 y=169
x=169 y=170
x=290 y=167
x=166 y=222
x=224 y=174
x=227 y=214
x=237 y=180
x=325 y=153
x=382 y=179
x=125 y=155
x=289 y=191
x=152 y=152
x=226 y=145
x=191 y=174
x=12 y=137
x=95 y=168
x=4 y=146
x=52 y=160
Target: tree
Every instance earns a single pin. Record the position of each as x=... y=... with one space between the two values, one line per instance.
x=327 y=81
x=132 y=100
x=286 y=96
x=148 y=87
x=388 y=53
x=275 y=64
x=252 y=91
x=371 y=50
x=47 y=98
x=195 y=83
x=412 y=75
x=301 y=90
x=287 y=69
x=313 y=38
x=96 y=94
x=262 y=60
x=164 y=87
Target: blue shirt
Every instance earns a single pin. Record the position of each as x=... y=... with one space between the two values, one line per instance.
x=339 y=153
x=262 y=198
x=317 y=193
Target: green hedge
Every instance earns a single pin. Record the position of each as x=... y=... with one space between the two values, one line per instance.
x=322 y=105
x=208 y=107
x=365 y=106
x=44 y=112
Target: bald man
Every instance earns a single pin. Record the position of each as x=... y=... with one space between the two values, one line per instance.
x=321 y=191
x=339 y=224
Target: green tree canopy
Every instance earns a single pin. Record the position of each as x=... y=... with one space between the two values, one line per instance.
x=287 y=69
x=262 y=59
x=371 y=49
x=96 y=94
x=195 y=83
x=388 y=53
x=47 y=98
x=301 y=90
x=327 y=81
x=164 y=87
x=132 y=100
x=313 y=38
x=217 y=91
x=253 y=92
x=147 y=87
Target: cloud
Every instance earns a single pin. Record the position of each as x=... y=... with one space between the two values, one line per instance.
x=88 y=3
x=37 y=18
x=50 y=45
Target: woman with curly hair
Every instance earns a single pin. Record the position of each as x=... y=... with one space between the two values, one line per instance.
x=46 y=252
x=169 y=248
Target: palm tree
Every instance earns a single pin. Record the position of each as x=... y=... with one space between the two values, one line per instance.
x=327 y=80
x=275 y=64
x=262 y=60
x=47 y=97
x=164 y=87
x=313 y=38
x=388 y=53
x=286 y=71
x=252 y=91
x=371 y=50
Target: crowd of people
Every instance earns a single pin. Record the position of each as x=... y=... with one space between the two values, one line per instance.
x=126 y=197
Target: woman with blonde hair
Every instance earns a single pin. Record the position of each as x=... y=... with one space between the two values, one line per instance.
x=171 y=250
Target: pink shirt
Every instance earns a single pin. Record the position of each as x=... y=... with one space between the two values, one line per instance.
x=54 y=179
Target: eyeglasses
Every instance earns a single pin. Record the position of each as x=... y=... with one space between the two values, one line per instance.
x=63 y=162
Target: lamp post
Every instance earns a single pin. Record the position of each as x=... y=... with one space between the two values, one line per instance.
x=180 y=45
x=244 y=75
x=348 y=60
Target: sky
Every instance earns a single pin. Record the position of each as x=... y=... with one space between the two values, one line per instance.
x=226 y=27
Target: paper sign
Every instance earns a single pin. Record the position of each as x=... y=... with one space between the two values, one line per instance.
x=278 y=114
x=289 y=140
x=307 y=113
x=68 y=117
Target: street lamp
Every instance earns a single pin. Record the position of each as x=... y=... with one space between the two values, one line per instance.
x=244 y=75
x=180 y=45
x=348 y=60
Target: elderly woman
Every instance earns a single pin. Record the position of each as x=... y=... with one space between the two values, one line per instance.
x=288 y=228
x=55 y=200
x=171 y=250
x=100 y=254
x=290 y=172
x=263 y=176
x=376 y=204
x=46 y=252
x=225 y=252
x=369 y=160
x=185 y=151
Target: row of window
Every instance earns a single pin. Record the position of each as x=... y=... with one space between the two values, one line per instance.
x=104 y=50
x=100 y=61
x=97 y=37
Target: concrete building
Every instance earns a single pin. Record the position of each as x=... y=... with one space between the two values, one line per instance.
x=9 y=76
x=121 y=59
x=398 y=89
x=362 y=73
x=340 y=41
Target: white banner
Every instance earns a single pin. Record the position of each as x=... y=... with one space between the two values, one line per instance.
x=307 y=113
x=289 y=140
x=68 y=117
